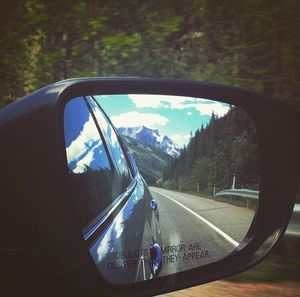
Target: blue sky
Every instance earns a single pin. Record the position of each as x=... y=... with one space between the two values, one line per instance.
x=174 y=116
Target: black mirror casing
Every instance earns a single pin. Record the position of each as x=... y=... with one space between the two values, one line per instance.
x=42 y=249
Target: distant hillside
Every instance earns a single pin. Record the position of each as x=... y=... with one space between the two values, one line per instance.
x=226 y=146
x=151 y=161
x=153 y=138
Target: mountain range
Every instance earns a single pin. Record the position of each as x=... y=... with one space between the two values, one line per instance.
x=150 y=160
x=152 y=137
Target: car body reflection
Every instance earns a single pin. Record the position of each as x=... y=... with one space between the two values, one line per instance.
x=112 y=199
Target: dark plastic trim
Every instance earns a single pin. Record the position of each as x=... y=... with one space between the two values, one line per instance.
x=36 y=123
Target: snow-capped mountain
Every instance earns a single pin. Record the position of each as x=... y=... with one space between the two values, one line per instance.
x=152 y=137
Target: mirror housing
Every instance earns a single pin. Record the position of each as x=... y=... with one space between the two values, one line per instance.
x=43 y=244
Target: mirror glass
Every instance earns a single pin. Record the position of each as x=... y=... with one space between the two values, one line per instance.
x=161 y=184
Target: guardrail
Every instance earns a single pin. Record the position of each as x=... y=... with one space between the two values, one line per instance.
x=250 y=196
x=239 y=192
x=293 y=229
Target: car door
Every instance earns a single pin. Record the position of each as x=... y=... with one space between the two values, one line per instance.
x=119 y=223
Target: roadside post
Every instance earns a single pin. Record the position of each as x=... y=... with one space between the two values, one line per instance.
x=233 y=181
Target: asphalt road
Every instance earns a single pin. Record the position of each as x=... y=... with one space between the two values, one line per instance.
x=196 y=230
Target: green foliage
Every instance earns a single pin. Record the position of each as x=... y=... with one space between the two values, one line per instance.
x=199 y=172
x=225 y=147
x=254 y=44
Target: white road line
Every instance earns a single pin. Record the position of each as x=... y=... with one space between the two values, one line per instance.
x=212 y=226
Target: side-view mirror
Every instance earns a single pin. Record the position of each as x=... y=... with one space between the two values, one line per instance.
x=141 y=186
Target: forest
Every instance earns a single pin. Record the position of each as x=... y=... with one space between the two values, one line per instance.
x=249 y=43
x=226 y=146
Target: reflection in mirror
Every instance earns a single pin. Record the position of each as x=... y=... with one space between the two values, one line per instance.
x=194 y=198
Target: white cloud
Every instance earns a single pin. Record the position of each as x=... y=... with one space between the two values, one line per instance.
x=83 y=142
x=144 y=100
x=218 y=108
x=134 y=119
x=189 y=113
x=85 y=161
x=85 y=147
x=180 y=139
x=163 y=101
x=176 y=137
x=203 y=106
x=112 y=233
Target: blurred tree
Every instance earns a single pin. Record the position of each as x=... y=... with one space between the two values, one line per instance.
x=227 y=146
x=254 y=44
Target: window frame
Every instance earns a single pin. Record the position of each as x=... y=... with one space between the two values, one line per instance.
x=95 y=227
x=125 y=152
